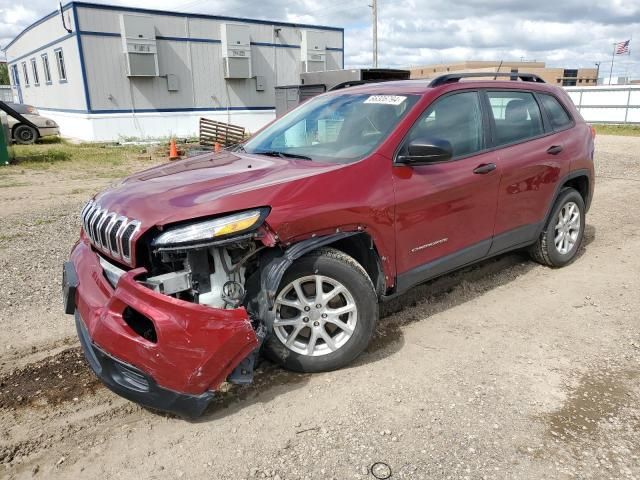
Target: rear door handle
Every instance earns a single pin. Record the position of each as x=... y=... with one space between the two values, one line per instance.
x=554 y=150
x=484 y=168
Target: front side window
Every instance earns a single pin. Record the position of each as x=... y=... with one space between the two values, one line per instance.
x=34 y=68
x=557 y=114
x=45 y=67
x=333 y=128
x=516 y=115
x=25 y=74
x=62 y=72
x=455 y=118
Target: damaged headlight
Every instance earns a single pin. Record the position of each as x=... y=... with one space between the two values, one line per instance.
x=212 y=229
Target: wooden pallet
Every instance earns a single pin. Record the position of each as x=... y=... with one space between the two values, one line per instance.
x=212 y=132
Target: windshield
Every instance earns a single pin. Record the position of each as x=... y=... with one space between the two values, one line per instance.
x=333 y=128
x=23 y=109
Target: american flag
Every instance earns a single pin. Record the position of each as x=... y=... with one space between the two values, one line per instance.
x=622 y=47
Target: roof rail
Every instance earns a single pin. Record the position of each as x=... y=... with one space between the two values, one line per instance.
x=456 y=77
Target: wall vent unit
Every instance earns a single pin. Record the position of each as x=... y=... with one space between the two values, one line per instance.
x=313 y=50
x=236 y=50
x=139 y=44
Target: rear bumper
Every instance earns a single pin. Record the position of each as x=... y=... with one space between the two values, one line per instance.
x=194 y=350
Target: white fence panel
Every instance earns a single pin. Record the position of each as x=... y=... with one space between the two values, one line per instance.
x=607 y=104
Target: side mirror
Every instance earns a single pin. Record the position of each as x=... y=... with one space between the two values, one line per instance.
x=423 y=151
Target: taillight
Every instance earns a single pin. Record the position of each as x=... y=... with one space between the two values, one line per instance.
x=593 y=131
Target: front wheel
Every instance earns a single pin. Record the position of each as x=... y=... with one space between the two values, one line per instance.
x=561 y=238
x=25 y=135
x=325 y=313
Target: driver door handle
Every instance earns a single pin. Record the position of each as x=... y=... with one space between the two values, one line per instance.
x=554 y=150
x=484 y=168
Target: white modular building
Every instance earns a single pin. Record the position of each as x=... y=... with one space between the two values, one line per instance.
x=108 y=72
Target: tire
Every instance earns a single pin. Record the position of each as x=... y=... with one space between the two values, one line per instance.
x=25 y=135
x=555 y=254
x=303 y=320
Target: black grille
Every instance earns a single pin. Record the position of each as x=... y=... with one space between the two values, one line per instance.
x=103 y=232
x=113 y=238
x=126 y=236
x=94 y=226
x=109 y=232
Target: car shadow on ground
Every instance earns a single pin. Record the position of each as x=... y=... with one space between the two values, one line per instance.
x=440 y=294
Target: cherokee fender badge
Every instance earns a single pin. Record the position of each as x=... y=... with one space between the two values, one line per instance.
x=429 y=245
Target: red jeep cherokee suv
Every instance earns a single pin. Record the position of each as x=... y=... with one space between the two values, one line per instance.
x=185 y=272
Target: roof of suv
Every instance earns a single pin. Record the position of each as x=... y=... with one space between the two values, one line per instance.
x=423 y=86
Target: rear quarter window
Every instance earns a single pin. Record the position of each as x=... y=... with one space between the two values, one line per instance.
x=558 y=116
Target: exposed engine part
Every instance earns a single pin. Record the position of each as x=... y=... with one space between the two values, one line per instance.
x=170 y=283
x=233 y=293
x=221 y=274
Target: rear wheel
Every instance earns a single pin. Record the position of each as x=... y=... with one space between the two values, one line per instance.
x=561 y=238
x=325 y=313
x=25 y=135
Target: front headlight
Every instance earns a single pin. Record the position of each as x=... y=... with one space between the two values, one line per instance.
x=211 y=229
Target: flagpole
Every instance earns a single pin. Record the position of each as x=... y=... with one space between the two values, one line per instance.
x=613 y=55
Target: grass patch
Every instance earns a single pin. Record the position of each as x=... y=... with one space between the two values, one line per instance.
x=12 y=183
x=624 y=130
x=96 y=159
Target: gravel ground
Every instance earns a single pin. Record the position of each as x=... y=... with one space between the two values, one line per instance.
x=504 y=370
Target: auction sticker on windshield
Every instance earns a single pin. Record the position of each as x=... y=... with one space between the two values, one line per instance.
x=386 y=99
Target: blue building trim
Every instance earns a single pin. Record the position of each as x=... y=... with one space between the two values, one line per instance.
x=204 y=16
x=188 y=39
x=83 y=70
x=158 y=110
x=201 y=40
x=267 y=44
x=98 y=34
x=32 y=52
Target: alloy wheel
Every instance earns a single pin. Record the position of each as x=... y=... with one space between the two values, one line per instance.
x=315 y=315
x=567 y=229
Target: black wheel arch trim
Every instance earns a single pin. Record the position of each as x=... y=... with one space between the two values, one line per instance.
x=273 y=265
x=583 y=172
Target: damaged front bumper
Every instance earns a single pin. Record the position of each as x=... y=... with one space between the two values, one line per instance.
x=190 y=351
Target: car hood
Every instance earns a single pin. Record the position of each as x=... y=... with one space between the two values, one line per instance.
x=206 y=185
x=40 y=121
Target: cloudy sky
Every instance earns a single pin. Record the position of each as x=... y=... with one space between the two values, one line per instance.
x=569 y=33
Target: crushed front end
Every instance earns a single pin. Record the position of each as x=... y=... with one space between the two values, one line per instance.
x=163 y=323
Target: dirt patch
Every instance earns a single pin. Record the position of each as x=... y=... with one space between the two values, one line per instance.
x=53 y=380
x=598 y=397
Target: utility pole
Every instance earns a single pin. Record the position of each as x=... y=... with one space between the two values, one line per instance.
x=613 y=55
x=597 y=72
x=374 y=11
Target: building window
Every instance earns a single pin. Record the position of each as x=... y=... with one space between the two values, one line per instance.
x=25 y=74
x=62 y=71
x=34 y=69
x=45 y=67
x=16 y=77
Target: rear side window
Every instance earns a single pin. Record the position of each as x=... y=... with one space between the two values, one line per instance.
x=516 y=115
x=557 y=114
x=456 y=118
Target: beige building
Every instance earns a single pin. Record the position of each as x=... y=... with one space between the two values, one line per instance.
x=557 y=76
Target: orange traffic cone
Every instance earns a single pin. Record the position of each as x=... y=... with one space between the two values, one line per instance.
x=217 y=148
x=173 y=151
